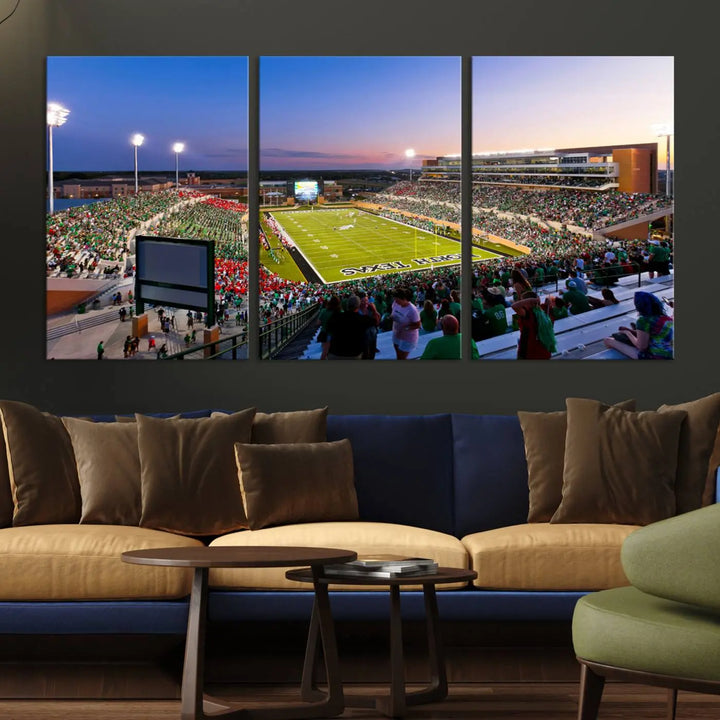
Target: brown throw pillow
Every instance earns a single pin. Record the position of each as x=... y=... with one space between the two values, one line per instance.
x=697 y=439
x=131 y=418
x=41 y=466
x=620 y=466
x=188 y=476
x=6 y=500
x=711 y=481
x=297 y=482
x=298 y=426
x=108 y=467
x=544 y=435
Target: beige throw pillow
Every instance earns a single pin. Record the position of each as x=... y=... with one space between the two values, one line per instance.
x=188 y=476
x=297 y=426
x=544 y=436
x=297 y=483
x=41 y=466
x=108 y=467
x=620 y=466
x=697 y=439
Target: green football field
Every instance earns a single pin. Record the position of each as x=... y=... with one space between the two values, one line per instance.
x=346 y=244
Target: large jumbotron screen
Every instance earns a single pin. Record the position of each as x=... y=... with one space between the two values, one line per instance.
x=306 y=190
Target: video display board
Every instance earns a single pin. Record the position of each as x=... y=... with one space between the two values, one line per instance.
x=306 y=190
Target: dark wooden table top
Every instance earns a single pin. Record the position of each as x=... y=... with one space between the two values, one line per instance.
x=443 y=575
x=238 y=557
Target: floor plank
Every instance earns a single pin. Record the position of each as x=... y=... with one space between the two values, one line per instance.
x=498 y=701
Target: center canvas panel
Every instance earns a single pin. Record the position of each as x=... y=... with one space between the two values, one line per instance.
x=146 y=245
x=345 y=271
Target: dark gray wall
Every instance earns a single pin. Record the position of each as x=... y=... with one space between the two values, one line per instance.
x=278 y=27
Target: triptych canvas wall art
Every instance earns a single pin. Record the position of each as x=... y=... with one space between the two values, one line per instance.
x=150 y=254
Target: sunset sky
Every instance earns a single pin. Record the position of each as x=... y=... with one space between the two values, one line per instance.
x=354 y=112
x=346 y=112
x=556 y=102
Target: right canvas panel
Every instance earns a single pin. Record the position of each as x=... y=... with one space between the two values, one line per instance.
x=573 y=192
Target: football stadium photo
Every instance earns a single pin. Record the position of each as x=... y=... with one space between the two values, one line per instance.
x=360 y=206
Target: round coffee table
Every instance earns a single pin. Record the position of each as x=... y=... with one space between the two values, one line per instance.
x=395 y=703
x=194 y=704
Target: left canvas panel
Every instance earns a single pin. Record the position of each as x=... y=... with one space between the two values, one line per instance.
x=146 y=207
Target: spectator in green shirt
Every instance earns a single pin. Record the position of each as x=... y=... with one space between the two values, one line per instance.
x=455 y=306
x=428 y=317
x=576 y=302
x=449 y=346
x=659 y=259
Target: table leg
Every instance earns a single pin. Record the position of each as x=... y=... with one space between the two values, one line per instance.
x=438 y=687
x=195 y=705
x=394 y=704
x=308 y=688
x=335 y=703
x=194 y=667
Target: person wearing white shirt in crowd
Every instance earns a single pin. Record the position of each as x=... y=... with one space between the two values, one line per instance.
x=406 y=323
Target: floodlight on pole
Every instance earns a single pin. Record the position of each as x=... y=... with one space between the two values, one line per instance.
x=137 y=140
x=56 y=116
x=178 y=147
x=410 y=154
x=665 y=130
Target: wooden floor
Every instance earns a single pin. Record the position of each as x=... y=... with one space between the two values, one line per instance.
x=500 y=701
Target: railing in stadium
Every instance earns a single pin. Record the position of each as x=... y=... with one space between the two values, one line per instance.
x=272 y=339
x=280 y=333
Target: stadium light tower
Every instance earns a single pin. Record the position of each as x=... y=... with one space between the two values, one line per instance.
x=665 y=130
x=56 y=116
x=410 y=154
x=137 y=140
x=177 y=149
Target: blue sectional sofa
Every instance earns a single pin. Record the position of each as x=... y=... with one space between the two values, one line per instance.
x=456 y=480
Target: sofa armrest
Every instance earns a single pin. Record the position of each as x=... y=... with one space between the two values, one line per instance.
x=677 y=558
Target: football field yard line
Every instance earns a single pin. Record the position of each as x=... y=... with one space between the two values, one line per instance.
x=369 y=242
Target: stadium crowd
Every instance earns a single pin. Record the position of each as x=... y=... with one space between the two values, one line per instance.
x=79 y=238
x=588 y=210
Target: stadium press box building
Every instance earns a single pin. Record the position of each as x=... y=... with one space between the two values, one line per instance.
x=627 y=168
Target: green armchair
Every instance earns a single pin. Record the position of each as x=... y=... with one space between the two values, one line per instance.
x=664 y=629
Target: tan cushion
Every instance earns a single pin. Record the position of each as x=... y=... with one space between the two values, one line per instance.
x=620 y=466
x=544 y=436
x=6 y=500
x=298 y=426
x=41 y=465
x=365 y=538
x=296 y=482
x=697 y=439
x=188 y=475
x=82 y=562
x=541 y=556
x=108 y=467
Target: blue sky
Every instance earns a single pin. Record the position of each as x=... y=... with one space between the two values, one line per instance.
x=346 y=112
x=201 y=101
